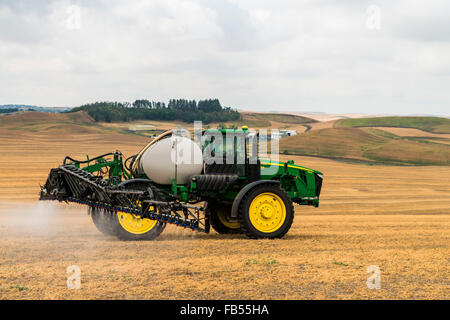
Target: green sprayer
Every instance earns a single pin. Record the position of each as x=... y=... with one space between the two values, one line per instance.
x=216 y=179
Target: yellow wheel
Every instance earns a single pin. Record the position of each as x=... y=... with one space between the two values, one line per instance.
x=220 y=218
x=133 y=227
x=266 y=211
x=135 y=224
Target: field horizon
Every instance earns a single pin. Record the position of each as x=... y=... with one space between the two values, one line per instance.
x=411 y=141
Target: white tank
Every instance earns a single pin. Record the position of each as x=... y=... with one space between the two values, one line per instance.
x=174 y=157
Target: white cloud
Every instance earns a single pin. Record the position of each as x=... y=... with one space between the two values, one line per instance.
x=293 y=54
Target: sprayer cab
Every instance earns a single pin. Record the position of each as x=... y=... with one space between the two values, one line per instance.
x=164 y=183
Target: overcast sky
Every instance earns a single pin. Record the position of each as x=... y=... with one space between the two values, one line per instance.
x=376 y=57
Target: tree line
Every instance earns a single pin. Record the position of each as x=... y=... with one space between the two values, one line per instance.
x=208 y=111
x=9 y=110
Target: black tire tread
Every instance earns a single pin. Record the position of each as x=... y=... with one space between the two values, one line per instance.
x=289 y=208
x=215 y=222
x=102 y=222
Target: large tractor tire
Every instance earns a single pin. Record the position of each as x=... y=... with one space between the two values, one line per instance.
x=129 y=227
x=220 y=218
x=266 y=212
x=103 y=221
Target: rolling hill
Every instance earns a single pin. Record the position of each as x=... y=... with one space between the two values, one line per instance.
x=265 y=119
x=430 y=124
x=367 y=145
x=25 y=107
x=34 y=121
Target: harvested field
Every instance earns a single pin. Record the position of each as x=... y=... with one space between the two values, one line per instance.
x=396 y=218
x=410 y=132
x=430 y=124
x=416 y=133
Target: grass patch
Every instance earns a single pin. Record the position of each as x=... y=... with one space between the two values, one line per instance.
x=264 y=261
x=273 y=261
x=18 y=287
x=338 y=263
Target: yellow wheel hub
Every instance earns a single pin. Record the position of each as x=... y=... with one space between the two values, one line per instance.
x=135 y=224
x=267 y=212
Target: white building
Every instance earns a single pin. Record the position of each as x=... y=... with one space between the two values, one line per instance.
x=288 y=133
x=143 y=127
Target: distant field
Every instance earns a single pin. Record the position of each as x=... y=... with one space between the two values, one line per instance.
x=368 y=145
x=278 y=117
x=430 y=124
x=262 y=120
x=412 y=132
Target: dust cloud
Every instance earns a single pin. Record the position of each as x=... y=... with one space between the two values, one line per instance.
x=51 y=219
x=40 y=218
